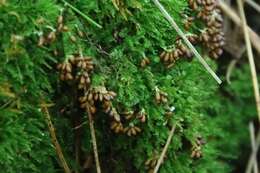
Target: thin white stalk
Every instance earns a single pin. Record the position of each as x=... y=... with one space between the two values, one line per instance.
x=252 y=158
x=253 y=155
x=188 y=43
x=254 y=5
x=253 y=145
x=156 y=169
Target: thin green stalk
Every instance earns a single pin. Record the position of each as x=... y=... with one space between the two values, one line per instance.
x=82 y=14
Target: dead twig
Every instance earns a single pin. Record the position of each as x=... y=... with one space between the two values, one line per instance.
x=156 y=169
x=93 y=137
x=250 y=57
x=54 y=139
x=254 y=38
x=253 y=145
x=188 y=43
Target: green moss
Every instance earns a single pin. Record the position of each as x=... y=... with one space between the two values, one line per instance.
x=28 y=76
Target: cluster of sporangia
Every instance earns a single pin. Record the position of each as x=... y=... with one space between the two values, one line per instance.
x=46 y=39
x=212 y=36
x=100 y=96
x=145 y=61
x=79 y=69
x=196 y=151
x=160 y=96
x=84 y=66
x=169 y=57
x=51 y=36
x=152 y=161
x=132 y=116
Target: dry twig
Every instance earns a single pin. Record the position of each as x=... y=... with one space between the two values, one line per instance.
x=255 y=39
x=164 y=149
x=94 y=141
x=188 y=43
x=54 y=139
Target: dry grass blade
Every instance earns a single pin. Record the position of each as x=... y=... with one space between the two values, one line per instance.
x=54 y=139
x=253 y=145
x=182 y=35
x=250 y=57
x=93 y=137
x=255 y=39
x=156 y=169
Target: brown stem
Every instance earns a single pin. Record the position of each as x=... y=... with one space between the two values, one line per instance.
x=93 y=137
x=54 y=139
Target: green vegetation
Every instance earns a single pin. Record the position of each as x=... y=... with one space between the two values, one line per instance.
x=33 y=42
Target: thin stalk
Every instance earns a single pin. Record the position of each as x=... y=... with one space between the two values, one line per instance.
x=253 y=155
x=82 y=14
x=254 y=5
x=253 y=145
x=250 y=57
x=93 y=137
x=188 y=43
x=156 y=169
x=230 y=68
x=54 y=139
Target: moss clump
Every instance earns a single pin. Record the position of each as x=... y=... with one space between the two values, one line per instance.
x=34 y=39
